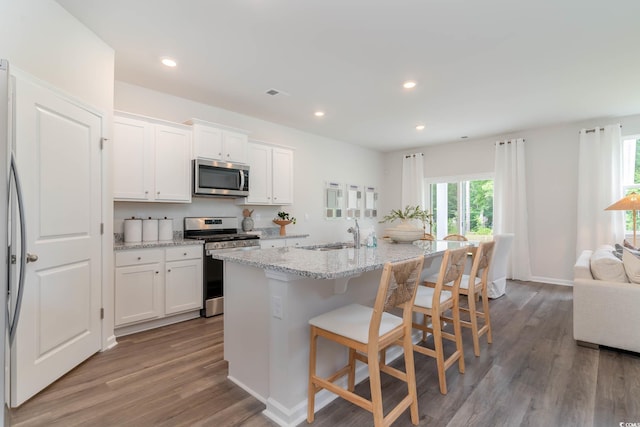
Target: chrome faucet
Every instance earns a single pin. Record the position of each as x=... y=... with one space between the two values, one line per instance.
x=356 y=235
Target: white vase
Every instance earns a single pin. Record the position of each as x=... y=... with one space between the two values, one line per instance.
x=405 y=232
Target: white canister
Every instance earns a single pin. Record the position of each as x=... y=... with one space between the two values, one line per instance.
x=132 y=230
x=149 y=230
x=165 y=229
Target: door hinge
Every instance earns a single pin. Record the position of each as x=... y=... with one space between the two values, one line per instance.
x=102 y=228
x=102 y=313
x=102 y=141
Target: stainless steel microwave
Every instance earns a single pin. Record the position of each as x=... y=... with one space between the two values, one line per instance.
x=217 y=178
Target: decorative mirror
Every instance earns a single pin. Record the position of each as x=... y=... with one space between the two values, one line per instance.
x=333 y=201
x=354 y=199
x=370 y=199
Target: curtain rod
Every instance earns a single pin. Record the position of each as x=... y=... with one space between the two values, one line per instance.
x=594 y=129
x=508 y=142
x=413 y=155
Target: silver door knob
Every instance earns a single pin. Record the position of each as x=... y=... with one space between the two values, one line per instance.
x=32 y=257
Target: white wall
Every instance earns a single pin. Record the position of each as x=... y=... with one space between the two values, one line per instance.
x=316 y=160
x=552 y=174
x=40 y=38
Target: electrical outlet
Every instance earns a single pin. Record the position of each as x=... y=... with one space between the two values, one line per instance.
x=276 y=307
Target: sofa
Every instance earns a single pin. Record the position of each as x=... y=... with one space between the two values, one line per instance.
x=606 y=312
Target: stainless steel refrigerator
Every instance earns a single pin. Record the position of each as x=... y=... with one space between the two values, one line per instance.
x=12 y=235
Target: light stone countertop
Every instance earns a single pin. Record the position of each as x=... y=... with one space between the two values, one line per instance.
x=277 y=236
x=121 y=246
x=336 y=263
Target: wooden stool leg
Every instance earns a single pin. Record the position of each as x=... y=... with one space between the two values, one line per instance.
x=409 y=366
x=311 y=394
x=487 y=317
x=457 y=329
x=352 y=370
x=473 y=318
x=376 y=388
x=437 y=341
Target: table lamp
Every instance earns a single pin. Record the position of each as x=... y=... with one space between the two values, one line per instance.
x=628 y=203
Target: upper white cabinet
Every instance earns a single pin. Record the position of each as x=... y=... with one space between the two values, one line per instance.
x=151 y=160
x=270 y=175
x=218 y=142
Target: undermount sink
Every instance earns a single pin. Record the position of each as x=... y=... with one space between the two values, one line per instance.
x=329 y=247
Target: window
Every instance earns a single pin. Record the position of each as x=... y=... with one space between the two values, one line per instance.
x=630 y=173
x=461 y=206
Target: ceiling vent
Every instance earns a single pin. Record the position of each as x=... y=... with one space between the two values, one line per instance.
x=274 y=92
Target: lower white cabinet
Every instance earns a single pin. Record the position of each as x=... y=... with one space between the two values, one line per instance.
x=155 y=283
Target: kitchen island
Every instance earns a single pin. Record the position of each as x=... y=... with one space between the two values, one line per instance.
x=271 y=294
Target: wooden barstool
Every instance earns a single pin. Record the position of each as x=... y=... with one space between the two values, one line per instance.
x=432 y=302
x=455 y=237
x=367 y=332
x=474 y=286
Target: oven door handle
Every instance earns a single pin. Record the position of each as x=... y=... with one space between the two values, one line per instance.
x=222 y=251
x=241 y=180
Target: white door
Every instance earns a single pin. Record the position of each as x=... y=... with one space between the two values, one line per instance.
x=58 y=156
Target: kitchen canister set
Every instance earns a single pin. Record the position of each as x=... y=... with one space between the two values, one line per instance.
x=138 y=230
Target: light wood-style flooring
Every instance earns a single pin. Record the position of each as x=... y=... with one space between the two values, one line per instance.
x=532 y=375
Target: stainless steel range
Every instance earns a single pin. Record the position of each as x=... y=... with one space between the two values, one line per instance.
x=220 y=235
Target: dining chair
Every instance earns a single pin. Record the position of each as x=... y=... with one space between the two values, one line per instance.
x=455 y=237
x=433 y=302
x=368 y=332
x=428 y=236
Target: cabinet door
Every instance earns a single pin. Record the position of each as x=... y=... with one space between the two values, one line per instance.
x=183 y=286
x=132 y=159
x=138 y=293
x=282 y=191
x=295 y=242
x=172 y=164
x=235 y=146
x=259 y=174
x=207 y=142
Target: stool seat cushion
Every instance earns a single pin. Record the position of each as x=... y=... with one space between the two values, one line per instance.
x=352 y=321
x=424 y=297
x=464 y=283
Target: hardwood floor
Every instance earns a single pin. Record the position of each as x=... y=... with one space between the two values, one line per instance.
x=532 y=375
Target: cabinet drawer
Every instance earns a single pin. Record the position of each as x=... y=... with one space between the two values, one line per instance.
x=184 y=252
x=138 y=257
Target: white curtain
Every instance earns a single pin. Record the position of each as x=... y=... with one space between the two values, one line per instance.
x=599 y=185
x=413 y=180
x=510 y=205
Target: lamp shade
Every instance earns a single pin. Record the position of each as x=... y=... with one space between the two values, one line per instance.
x=627 y=203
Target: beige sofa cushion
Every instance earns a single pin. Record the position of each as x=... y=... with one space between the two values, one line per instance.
x=606 y=266
x=631 y=265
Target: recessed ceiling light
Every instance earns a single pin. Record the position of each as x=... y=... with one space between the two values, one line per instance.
x=419 y=127
x=319 y=113
x=409 y=85
x=169 y=62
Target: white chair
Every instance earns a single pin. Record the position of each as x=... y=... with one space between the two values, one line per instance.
x=497 y=280
x=368 y=332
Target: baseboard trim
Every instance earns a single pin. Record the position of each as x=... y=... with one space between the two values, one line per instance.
x=156 y=323
x=552 y=281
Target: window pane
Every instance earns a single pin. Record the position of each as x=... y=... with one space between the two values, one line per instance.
x=481 y=208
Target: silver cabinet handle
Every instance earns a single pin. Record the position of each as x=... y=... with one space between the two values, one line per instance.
x=32 y=257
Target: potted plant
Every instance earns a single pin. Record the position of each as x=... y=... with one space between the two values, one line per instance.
x=284 y=219
x=406 y=232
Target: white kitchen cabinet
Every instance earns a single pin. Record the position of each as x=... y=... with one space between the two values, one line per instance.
x=217 y=142
x=271 y=175
x=155 y=284
x=151 y=160
x=281 y=243
x=138 y=286
x=183 y=279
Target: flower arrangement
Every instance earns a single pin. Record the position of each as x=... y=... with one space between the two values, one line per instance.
x=284 y=216
x=409 y=212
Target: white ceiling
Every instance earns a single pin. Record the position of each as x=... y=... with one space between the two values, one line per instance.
x=483 y=67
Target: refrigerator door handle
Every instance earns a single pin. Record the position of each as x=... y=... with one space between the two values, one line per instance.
x=23 y=251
